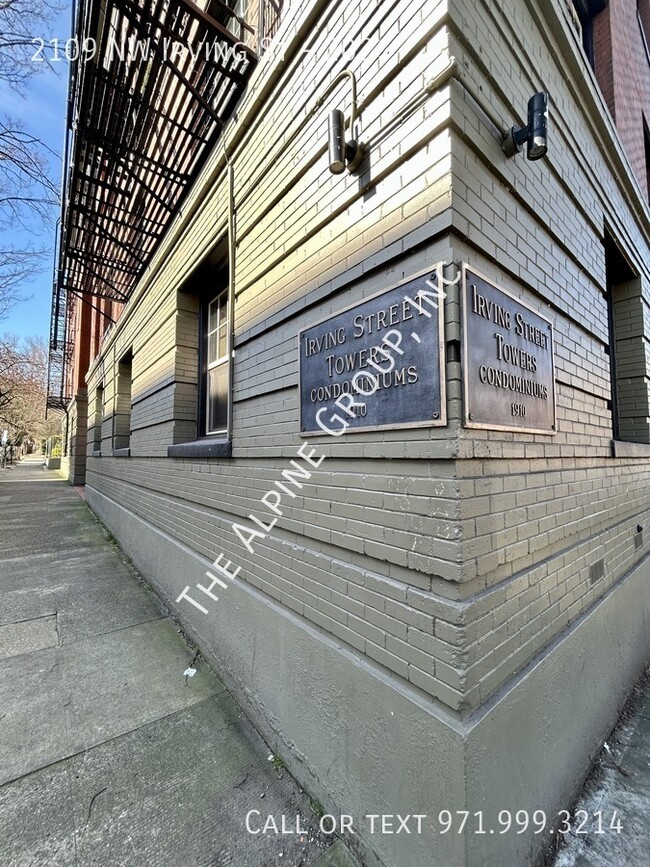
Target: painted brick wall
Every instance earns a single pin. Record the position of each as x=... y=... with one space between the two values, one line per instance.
x=447 y=556
x=539 y=514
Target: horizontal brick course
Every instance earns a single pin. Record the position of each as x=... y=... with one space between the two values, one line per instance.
x=447 y=556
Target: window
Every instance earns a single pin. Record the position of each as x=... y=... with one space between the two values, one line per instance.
x=262 y=16
x=217 y=366
x=204 y=352
x=240 y=8
x=219 y=11
x=583 y=13
x=122 y=416
x=97 y=420
x=627 y=347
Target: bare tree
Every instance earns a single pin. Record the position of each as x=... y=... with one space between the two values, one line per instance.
x=25 y=187
x=27 y=193
x=15 y=266
x=21 y=22
x=23 y=388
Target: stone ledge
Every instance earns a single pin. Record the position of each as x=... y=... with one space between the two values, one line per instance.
x=122 y=453
x=621 y=449
x=203 y=448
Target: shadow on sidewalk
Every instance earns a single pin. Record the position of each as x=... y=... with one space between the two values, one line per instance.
x=110 y=754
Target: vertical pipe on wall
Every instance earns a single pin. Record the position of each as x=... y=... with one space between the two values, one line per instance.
x=231 y=289
x=260 y=27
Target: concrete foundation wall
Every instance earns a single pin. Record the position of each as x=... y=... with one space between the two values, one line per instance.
x=366 y=742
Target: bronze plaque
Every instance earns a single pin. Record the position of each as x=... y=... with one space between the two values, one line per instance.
x=337 y=355
x=508 y=374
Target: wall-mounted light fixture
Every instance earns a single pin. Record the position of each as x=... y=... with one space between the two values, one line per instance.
x=342 y=153
x=534 y=133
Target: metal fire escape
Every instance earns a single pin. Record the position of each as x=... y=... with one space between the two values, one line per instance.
x=154 y=84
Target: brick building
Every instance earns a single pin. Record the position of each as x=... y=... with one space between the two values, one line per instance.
x=448 y=610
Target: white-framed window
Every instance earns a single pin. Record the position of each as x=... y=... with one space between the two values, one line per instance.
x=583 y=14
x=217 y=356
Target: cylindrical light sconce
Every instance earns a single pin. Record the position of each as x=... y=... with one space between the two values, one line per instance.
x=336 y=131
x=537 y=126
x=535 y=134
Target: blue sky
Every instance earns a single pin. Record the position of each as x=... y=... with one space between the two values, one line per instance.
x=42 y=112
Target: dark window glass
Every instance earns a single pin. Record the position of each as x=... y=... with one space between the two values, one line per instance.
x=584 y=13
x=217 y=363
x=218 y=398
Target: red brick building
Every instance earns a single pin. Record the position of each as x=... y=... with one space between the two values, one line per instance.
x=620 y=53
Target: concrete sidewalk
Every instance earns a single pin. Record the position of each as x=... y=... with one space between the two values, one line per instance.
x=618 y=793
x=109 y=755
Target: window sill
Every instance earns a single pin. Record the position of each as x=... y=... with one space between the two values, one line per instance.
x=624 y=449
x=96 y=453
x=122 y=453
x=203 y=448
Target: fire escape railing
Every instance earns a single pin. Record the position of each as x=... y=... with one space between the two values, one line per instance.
x=143 y=115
